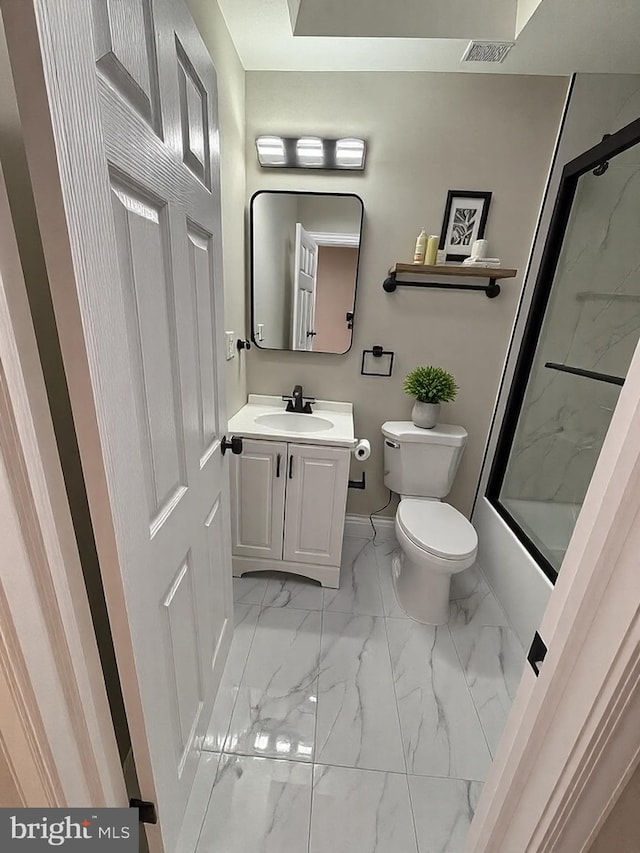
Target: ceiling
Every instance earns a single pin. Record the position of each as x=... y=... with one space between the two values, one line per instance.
x=551 y=36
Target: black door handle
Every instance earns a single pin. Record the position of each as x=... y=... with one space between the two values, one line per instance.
x=291 y=467
x=278 y=459
x=235 y=445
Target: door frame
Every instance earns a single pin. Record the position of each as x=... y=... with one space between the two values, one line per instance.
x=335 y=239
x=57 y=744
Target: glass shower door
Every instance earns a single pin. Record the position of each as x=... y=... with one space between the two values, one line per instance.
x=568 y=380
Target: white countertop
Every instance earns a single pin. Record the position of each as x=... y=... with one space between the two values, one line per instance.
x=340 y=414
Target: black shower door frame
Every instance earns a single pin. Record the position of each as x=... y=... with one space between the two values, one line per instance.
x=595 y=158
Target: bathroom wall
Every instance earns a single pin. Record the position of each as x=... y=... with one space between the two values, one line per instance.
x=426 y=134
x=273 y=261
x=323 y=213
x=598 y=104
x=231 y=113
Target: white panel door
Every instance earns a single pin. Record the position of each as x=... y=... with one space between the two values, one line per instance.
x=304 y=290
x=317 y=481
x=120 y=117
x=258 y=478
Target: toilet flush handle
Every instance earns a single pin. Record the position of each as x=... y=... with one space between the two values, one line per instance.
x=393 y=444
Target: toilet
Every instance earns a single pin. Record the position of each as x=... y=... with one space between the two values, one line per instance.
x=436 y=541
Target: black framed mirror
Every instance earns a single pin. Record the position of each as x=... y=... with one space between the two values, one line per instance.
x=305 y=254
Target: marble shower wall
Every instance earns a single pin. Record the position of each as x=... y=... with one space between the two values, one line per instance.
x=593 y=322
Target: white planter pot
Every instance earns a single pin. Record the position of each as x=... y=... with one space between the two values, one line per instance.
x=425 y=415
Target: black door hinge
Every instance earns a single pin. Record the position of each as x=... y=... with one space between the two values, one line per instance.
x=235 y=445
x=147 y=811
x=537 y=653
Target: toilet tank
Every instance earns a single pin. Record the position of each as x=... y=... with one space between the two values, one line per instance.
x=421 y=462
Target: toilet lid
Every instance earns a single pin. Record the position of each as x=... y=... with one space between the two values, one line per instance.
x=437 y=528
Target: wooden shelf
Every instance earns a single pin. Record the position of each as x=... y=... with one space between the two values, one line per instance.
x=453 y=270
x=458 y=271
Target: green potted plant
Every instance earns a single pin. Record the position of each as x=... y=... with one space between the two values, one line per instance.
x=430 y=386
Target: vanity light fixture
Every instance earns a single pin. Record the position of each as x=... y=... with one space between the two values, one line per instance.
x=311 y=152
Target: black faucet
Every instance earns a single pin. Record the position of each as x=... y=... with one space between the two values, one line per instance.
x=297 y=402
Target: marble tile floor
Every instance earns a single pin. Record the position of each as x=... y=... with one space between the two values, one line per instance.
x=341 y=725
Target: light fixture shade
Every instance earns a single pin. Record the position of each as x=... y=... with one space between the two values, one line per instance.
x=271 y=151
x=350 y=153
x=311 y=152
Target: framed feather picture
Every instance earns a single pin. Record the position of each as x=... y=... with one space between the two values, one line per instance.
x=465 y=218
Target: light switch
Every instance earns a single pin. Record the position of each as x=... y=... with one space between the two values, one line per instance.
x=230 y=340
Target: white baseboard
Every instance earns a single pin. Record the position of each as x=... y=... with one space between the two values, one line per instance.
x=359 y=525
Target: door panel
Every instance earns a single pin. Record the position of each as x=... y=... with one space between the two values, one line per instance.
x=183 y=656
x=212 y=598
x=142 y=235
x=193 y=118
x=258 y=478
x=125 y=52
x=132 y=241
x=316 y=501
x=201 y=274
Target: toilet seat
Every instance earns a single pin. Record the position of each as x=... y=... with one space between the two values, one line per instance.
x=437 y=528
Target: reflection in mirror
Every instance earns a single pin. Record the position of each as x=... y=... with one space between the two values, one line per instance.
x=304 y=268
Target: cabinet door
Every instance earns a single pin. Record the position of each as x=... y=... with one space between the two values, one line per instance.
x=258 y=477
x=317 y=479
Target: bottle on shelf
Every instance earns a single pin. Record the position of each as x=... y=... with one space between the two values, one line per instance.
x=421 y=247
x=431 y=250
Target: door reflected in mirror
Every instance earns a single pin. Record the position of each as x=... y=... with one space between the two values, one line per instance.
x=305 y=249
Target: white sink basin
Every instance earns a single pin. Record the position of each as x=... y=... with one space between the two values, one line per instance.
x=264 y=418
x=293 y=422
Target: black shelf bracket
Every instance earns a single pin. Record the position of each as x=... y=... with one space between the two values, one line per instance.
x=491 y=290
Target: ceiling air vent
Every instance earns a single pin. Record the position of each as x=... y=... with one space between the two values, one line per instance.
x=487 y=51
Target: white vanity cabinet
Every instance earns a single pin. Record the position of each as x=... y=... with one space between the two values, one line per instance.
x=258 y=477
x=288 y=505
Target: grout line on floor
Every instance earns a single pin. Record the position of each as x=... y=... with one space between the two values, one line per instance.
x=206 y=810
x=393 y=677
x=413 y=814
x=315 y=725
x=246 y=659
x=469 y=690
